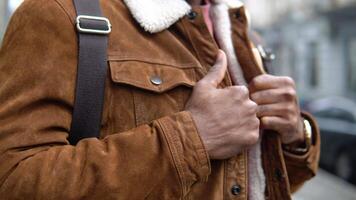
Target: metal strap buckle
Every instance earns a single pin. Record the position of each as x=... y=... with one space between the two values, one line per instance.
x=90 y=30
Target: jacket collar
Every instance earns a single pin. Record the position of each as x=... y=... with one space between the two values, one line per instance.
x=157 y=15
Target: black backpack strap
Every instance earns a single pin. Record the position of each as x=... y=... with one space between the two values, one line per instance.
x=93 y=30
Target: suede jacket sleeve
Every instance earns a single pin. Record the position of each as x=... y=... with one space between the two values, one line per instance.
x=162 y=159
x=303 y=167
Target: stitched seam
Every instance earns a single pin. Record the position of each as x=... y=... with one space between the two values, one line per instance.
x=153 y=88
x=110 y=115
x=190 y=38
x=175 y=156
x=246 y=173
x=201 y=150
x=134 y=106
x=151 y=61
x=294 y=160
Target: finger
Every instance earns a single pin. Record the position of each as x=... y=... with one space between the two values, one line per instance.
x=270 y=110
x=274 y=123
x=271 y=96
x=266 y=96
x=266 y=81
x=217 y=72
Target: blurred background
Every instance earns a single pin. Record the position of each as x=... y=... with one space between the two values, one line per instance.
x=314 y=41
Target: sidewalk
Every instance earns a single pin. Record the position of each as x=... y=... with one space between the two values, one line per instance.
x=326 y=187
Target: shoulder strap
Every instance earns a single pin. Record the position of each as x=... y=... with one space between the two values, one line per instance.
x=93 y=30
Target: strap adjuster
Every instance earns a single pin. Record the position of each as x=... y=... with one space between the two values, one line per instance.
x=103 y=31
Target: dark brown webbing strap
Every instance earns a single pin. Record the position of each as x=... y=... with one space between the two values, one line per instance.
x=92 y=70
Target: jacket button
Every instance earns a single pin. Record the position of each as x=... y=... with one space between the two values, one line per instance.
x=237 y=15
x=235 y=190
x=192 y=15
x=156 y=80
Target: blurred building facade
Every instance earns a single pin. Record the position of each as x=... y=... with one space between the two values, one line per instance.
x=7 y=7
x=314 y=40
x=2 y=19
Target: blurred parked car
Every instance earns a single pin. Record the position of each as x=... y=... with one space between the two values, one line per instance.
x=337 y=121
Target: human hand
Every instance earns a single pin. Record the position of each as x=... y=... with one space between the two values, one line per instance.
x=278 y=106
x=225 y=118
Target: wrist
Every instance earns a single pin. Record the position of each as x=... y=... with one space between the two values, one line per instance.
x=303 y=145
x=296 y=137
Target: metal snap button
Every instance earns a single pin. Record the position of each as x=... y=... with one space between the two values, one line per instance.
x=192 y=15
x=236 y=190
x=237 y=15
x=156 y=80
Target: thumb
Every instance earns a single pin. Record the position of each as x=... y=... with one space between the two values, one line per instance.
x=217 y=72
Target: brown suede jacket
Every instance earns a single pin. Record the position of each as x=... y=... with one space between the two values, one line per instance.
x=149 y=146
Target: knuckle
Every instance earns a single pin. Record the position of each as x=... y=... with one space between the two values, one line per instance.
x=240 y=92
x=252 y=103
x=288 y=80
x=289 y=94
x=252 y=106
x=256 y=123
x=234 y=92
x=254 y=97
x=253 y=138
x=292 y=92
x=254 y=134
x=254 y=83
x=243 y=91
x=235 y=89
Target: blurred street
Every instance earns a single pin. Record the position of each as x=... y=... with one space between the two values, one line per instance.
x=326 y=187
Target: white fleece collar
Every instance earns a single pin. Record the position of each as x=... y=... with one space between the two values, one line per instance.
x=157 y=15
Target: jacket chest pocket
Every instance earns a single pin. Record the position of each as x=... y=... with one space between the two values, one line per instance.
x=152 y=90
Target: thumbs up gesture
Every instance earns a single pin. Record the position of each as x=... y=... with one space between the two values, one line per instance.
x=225 y=118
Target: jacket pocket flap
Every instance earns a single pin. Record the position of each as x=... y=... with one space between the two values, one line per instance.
x=154 y=77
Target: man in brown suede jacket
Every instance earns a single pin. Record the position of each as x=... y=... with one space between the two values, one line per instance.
x=181 y=119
